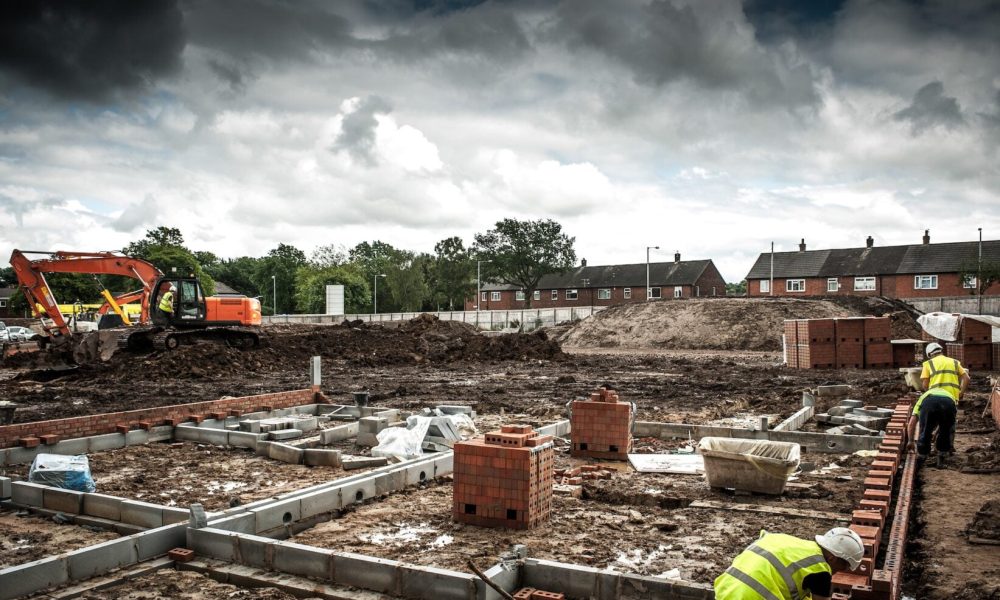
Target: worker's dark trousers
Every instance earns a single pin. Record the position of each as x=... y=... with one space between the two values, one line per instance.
x=936 y=412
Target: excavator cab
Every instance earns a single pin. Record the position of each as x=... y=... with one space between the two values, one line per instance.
x=187 y=303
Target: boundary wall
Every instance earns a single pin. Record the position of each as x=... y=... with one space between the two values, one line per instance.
x=490 y=320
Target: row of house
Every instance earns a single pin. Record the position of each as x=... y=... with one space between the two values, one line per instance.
x=5 y=295
x=904 y=272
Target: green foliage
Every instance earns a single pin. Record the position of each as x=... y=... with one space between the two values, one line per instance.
x=453 y=274
x=275 y=273
x=331 y=255
x=407 y=286
x=522 y=252
x=164 y=247
x=311 y=282
x=988 y=274
x=237 y=273
x=736 y=289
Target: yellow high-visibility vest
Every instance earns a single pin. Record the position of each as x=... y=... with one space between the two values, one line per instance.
x=772 y=568
x=944 y=375
x=167 y=302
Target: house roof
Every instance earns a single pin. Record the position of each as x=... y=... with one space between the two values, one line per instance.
x=7 y=292
x=884 y=260
x=222 y=289
x=685 y=272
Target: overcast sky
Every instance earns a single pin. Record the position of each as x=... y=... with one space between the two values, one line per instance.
x=704 y=126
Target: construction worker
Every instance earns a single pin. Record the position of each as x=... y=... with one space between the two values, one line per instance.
x=167 y=300
x=784 y=567
x=944 y=381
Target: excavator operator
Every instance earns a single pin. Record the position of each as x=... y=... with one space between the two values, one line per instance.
x=167 y=301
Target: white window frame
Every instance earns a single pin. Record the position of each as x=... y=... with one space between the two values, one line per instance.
x=555 y=294
x=604 y=294
x=628 y=293
x=572 y=294
x=494 y=296
x=653 y=293
x=483 y=298
x=795 y=285
x=537 y=295
x=833 y=284
x=868 y=284
x=970 y=283
x=925 y=282
x=678 y=291
x=519 y=295
x=3 y=303
x=765 y=286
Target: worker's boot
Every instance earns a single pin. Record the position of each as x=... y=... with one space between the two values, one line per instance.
x=940 y=459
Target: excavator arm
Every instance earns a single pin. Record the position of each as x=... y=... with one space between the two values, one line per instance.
x=31 y=279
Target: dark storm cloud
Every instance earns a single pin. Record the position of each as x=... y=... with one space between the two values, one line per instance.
x=357 y=136
x=231 y=74
x=662 y=42
x=777 y=19
x=486 y=32
x=272 y=29
x=90 y=50
x=931 y=108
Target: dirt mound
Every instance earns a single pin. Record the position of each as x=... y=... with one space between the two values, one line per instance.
x=986 y=524
x=716 y=324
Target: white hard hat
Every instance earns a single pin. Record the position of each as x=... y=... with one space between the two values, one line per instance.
x=173 y=288
x=843 y=543
x=934 y=348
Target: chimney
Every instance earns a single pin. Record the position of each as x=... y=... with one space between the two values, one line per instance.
x=583 y=262
x=802 y=245
x=927 y=236
x=677 y=257
x=870 y=241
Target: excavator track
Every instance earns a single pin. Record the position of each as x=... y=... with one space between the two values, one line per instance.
x=156 y=338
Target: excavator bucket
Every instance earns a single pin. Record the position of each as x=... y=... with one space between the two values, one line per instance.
x=95 y=346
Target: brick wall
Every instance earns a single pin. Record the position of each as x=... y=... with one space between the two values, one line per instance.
x=851 y=343
x=61 y=429
x=892 y=286
x=711 y=278
x=638 y=294
x=601 y=427
x=504 y=479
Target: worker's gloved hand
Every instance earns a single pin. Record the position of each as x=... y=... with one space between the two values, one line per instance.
x=910 y=446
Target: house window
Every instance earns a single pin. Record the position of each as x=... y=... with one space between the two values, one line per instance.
x=494 y=296
x=678 y=291
x=628 y=293
x=653 y=293
x=484 y=297
x=555 y=294
x=537 y=295
x=604 y=294
x=3 y=303
x=519 y=295
x=795 y=285
x=571 y=294
x=969 y=283
x=765 y=286
x=864 y=284
x=925 y=282
x=833 y=284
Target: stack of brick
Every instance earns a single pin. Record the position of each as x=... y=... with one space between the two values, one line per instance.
x=853 y=343
x=533 y=594
x=871 y=517
x=504 y=479
x=601 y=426
x=974 y=346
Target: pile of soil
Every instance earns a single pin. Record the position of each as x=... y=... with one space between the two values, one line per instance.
x=986 y=524
x=719 y=323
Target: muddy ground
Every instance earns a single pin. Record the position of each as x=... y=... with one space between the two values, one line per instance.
x=31 y=537
x=181 y=585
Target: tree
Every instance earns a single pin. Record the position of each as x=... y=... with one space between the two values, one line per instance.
x=987 y=274
x=405 y=282
x=522 y=252
x=452 y=273
x=311 y=282
x=164 y=247
x=737 y=289
x=372 y=260
x=274 y=275
x=330 y=255
x=237 y=273
x=161 y=236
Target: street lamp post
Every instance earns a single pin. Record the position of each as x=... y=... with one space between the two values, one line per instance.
x=274 y=286
x=375 y=293
x=479 y=284
x=649 y=292
x=979 y=274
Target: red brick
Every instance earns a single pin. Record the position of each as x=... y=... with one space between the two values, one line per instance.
x=28 y=441
x=181 y=555
x=121 y=428
x=49 y=439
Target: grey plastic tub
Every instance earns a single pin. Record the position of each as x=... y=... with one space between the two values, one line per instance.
x=749 y=465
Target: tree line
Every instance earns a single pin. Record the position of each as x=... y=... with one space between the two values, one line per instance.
x=286 y=280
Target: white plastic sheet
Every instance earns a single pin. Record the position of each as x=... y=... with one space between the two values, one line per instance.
x=944 y=326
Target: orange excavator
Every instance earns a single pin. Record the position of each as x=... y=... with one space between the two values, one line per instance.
x=186 y=316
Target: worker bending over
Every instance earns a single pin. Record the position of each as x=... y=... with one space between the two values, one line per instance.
x=784 y=567
x=944 y=381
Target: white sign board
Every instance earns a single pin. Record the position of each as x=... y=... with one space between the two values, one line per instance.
x=334 y=299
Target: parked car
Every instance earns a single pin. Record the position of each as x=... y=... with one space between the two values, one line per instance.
x=16 y=333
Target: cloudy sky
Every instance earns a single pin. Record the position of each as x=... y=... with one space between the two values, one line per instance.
x=712 y=127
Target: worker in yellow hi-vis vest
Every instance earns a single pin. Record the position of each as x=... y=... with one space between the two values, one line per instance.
x=784 y=567
x=944 y=381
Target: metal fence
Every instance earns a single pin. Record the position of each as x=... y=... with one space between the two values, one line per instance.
x=489 y=320
x=957 y=304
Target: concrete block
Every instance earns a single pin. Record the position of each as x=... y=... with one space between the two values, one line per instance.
x=187 y=433
x=454 y=409
x=64 y=501
x=319 y=502
x=159 y=541
x=248 y=426
x=212 y=424
x=431 y=582
x=852 y=403
x=363 y=462
x=256 y=551
x=573 y=580
x=285 y=434
x=26 y=493
x=366 y=572
x=71 y=447
x=197 y=517
x=306 y=424
x=241 y=523
x=172 y=515
x=143 y=514
x=23 y=456
x=297 y=559
x=136 y=437
x=5 y=487
x=285 y=453
x=339 y=433
x=833 y=391
x=507 y=579
x=109 y=441
x=161 y=433
x=320 y=457
x=372 y=424
x=873 y=412
x=213 y=543
x=263 y=447
x=240 y=439
x=358 y=491
x=216 y=437
x=839 y=411
x=419 y=473
x=277 y=514
x=32 y=577
x=100 y=558
x=103 y=506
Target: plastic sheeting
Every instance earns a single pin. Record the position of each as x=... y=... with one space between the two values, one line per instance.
x=67 y=472
x=404 y=444
x=944 y=326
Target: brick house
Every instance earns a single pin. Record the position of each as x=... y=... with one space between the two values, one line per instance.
x=915 y=271
x=607 y=285
x=5 y=296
